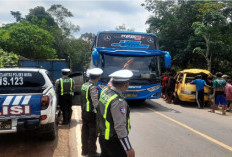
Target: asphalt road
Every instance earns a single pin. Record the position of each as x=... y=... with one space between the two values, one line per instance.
x=28 y=144
x=166 y=130
x=158 y=130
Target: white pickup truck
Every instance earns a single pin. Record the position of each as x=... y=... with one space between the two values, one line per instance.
x=27 y=102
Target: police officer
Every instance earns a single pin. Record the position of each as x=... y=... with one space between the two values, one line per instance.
x=89 y=102
x=114 y=117
x=64 y=89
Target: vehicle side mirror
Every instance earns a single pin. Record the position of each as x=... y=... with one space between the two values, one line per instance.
x=167 y=60
x=95 y=57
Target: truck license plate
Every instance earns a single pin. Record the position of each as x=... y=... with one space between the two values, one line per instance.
x=5 y=125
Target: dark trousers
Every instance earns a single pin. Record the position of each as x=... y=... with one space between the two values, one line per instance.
x=200 y=99
x=65 y=103
x=89 y=133
x=111 y=147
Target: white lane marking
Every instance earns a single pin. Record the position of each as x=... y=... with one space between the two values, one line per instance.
x=193 y=130
x=17 y=100
x=26 y=100
x=8 y=100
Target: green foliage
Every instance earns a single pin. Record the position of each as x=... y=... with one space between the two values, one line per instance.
x=27 y=40
x=61 y=14
x=197 y=33
x=199 y=28
x=88 y=37
x=8 y=59
x=79 y=53
x=45 y=34
x=17 y=15
x=38 y=16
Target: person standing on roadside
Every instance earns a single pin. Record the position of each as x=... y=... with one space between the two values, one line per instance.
x=228 y=93
x=114 y=117
x=210 y=85
x=219 y=85
x=164 y=85
x=200 y=84
x=64 y=89
x=171 y=87
x=89 y=103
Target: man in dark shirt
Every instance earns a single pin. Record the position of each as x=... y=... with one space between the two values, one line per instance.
x=170 y=87
x=210 y=84
x=89 y=103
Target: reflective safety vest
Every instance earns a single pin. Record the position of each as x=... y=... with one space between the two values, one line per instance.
x=106 y=123
x=86 y=101
x=66 y=86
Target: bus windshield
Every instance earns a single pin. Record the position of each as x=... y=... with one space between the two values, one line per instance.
x=142 y=67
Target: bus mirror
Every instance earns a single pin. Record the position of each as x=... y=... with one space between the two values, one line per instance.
x=95 y=57
x=167 y=60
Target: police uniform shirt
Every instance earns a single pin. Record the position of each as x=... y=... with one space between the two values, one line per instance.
x=57 y=84
x=119 y=109
x=94 y=94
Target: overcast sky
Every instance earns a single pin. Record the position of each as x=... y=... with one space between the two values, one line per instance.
x=91 y=15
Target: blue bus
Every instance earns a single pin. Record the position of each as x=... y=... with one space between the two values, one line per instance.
x=113 y=49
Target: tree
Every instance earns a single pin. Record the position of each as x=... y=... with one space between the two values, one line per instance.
x=27 y=40
x=79 y=53
x=38 y=16
x=66 y=28
x=8 y=59
x=61 y=14
x=43 y=19
x=123 y=28
x=210 y=30
x=89 y=38
x=172 y=23
x=17 y=15
x=189 y=28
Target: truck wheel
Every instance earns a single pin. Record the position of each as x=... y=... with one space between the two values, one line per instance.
x=52 y=134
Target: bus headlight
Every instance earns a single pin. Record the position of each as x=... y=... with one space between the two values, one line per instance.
x=151 y=89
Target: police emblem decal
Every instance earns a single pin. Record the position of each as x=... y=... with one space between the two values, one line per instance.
x=123 y=110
